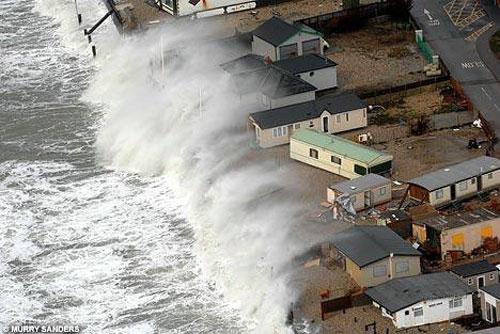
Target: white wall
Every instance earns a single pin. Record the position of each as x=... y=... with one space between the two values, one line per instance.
x=289 y=100
x=325 y=78
x=433 y=311
x=185 y=8
x=263 y=48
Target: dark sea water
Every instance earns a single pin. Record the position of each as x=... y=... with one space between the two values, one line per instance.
x=81 y=244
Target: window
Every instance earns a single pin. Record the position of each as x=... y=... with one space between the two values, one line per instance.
x=297 y=126
x=311 y=74
x=473 y=181
x=470 y=281
x=382 y=191
x=418 y=312
x=336 y=160
x=313 y=153
x=359 y=170
x=311 y=124
x=491 y=276
x=280 y=131
x=288 y=51
x=490 y=176
x=338 y=118
x=311 y=46
x=435 y=304
x=402 y=267
x=379 y=271
x=456 y=302
x=439 y=193
x=407 y=312
x=462 y=186
x=347 y=117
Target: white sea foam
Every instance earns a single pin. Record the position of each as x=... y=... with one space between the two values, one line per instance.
x=241 y=230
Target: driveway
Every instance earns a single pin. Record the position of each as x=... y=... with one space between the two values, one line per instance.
x=455 y=32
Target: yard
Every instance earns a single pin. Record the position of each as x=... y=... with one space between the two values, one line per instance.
x=375 y=57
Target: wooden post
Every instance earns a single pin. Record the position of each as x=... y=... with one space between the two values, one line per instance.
x=94 y=53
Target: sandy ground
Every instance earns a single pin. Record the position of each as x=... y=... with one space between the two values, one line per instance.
x=425 y=103
x=377 y=56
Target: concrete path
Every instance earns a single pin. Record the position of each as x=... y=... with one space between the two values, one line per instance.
x=471 y=68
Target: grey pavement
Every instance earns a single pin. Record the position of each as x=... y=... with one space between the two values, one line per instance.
x=474 y=70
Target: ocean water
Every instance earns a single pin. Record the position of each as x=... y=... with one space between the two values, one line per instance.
x=124 y=205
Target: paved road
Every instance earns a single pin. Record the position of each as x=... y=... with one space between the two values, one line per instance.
x=477 y=76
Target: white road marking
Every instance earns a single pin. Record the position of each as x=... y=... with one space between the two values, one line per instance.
x=485 y=93
x=472 y=64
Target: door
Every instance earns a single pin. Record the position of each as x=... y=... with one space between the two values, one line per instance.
x=494 y=314
x=368 y=199
x=290 y=130
x=480 y=281
x=479 y=183
x=325 y=124
x=452 y=192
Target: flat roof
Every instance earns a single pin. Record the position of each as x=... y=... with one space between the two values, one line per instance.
x=474 y=268
x=341 y=146
x=307 y=110
x=360 y=184
x=305 y=63
x=458 y=219
x=399 y=293
x=368 y=244
x=450 y=175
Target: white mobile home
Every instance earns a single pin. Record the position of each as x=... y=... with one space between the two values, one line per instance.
x=329 y=113
x=423 y=299
x=456 y=182
x=338 y=155
x=364 y=192
x=316 y=69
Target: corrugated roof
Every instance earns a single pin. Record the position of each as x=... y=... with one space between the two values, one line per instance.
x=305 y=63
x=307 y=110
x=458 y=219
x=368 y=244
x=399 y=293
x=493 y=290
x=277 y=31
x=475 y=268
x=456 y=173
x=360 y=184
x=340 y=146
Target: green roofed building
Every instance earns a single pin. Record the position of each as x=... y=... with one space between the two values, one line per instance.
x=338 y=155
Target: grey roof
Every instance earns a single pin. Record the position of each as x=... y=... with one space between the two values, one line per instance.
x=251 y=74
x=360 y=184
x=249 y=62
x=399 y=293
x=456 y=173
x=475 y=268
x=307 y=110
x=276 y=31
x=368 y=244
x=305 y=63
x=493 y=290
x=458 y=219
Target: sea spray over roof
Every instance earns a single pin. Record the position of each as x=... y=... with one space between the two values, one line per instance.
x=185 y=125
